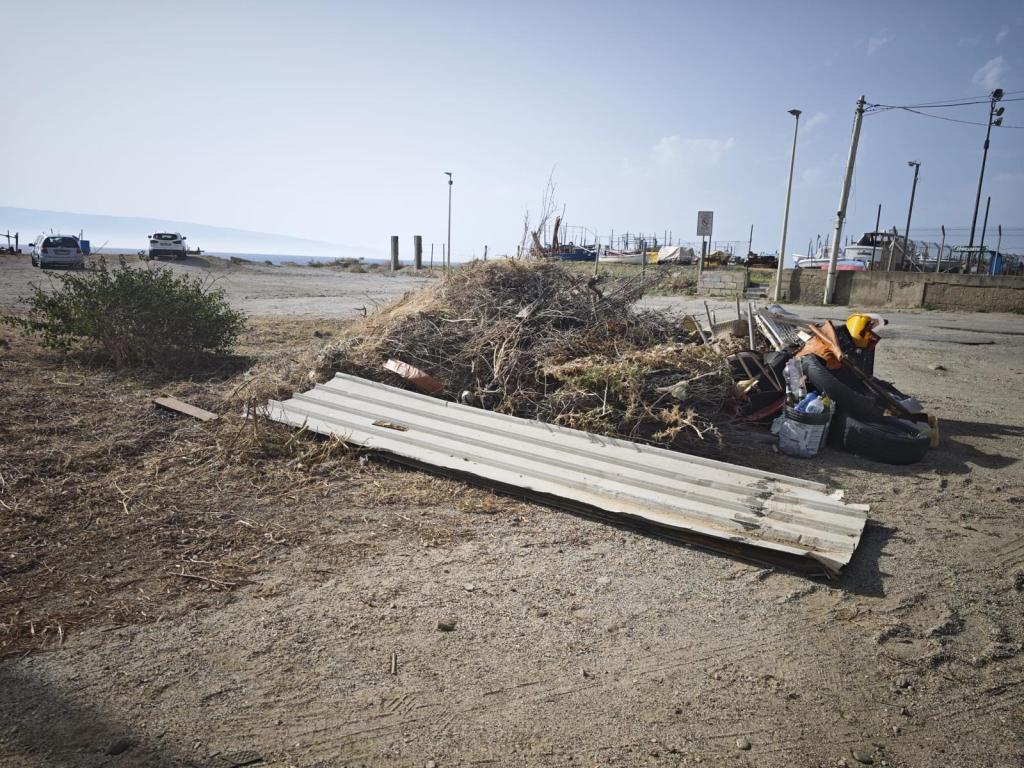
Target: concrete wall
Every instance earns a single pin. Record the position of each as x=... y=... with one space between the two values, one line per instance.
x=722 y=282
x=908 y=290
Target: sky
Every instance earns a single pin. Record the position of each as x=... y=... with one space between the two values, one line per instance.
x=335 y=121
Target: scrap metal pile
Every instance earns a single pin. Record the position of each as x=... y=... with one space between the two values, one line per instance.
x=831 y=393
x=538 y=341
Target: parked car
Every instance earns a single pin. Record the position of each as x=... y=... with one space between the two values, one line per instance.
x=57 y=251
x=169 y=244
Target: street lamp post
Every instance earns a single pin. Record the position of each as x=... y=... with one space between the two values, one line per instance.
x=913 y=190
x=785 y=217
x=995 y=117
x=450 y=182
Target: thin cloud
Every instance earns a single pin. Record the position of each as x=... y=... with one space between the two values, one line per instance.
x=815 y=120
x=968 y=42
x=877 y=40
x=670 y=150
x=1002 y=34
x=991 y=73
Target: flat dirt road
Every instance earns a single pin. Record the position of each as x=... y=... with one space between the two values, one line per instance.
x=572 y=643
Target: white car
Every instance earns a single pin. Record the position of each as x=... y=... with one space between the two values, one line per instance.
x=170 y=244
x=57 y=251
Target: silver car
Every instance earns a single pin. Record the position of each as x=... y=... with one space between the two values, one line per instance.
x=57 y=251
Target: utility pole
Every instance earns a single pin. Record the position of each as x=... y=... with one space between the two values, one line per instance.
x=750 y=242
x=995 y=117
x=874 y=235
x=942 y=248
x=450 y=182
x=785 y=216
x=913 y=190
x=830 y=278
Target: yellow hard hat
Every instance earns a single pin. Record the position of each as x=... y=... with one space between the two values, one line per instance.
x=860 y=327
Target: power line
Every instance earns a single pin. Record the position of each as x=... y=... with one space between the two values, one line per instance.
x=953 y=119
x=956 y=102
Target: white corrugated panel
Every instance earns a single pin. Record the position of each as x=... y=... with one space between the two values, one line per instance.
x=675 y=493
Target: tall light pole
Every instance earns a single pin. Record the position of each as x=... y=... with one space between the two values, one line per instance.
x=995 y=117
x=785 y=217
x=913 y=190
x=450 y=182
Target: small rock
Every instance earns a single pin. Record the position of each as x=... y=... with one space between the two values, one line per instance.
x=542 y=612
x=863 y=757
x=117 y=746
x=679 y=710
x=743 y=743
x=446 y=625
x=430 y=764
x=937 y=367
x=469 y=587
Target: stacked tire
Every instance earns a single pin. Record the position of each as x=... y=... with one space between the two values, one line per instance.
x=859 y=425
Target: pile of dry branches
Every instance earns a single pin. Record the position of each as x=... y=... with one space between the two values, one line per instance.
x=538 y=341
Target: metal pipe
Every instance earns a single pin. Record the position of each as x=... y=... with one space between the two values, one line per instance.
x=913 y=190
x=450 y=182
x=874 y=238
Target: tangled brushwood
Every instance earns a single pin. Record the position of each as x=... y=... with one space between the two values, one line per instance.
x=538 y=341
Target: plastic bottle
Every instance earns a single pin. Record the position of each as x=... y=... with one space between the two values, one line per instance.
x=815 y=406
x=802 y=405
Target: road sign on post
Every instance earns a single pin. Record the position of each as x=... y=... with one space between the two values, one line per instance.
x=705 y=220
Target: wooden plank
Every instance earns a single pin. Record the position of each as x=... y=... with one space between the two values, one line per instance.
x=180 y=406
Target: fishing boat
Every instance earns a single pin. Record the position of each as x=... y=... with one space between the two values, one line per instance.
x=572 y=252
x=622 y=257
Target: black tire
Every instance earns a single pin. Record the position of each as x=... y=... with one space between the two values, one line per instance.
x=885 y=439
x=864 y=407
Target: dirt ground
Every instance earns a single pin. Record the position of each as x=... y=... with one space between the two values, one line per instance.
x=188 y=594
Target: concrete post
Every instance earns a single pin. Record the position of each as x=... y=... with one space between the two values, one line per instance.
x=830 y=277
x=417 y=251
x=394 y=253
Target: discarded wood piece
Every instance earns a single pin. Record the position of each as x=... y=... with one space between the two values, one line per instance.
x=394 y=663
x=180 y=406
x=422 y=380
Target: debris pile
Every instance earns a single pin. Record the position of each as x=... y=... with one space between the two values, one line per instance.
x=537 y=341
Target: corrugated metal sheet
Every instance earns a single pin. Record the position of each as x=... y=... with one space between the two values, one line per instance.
x=710 y=503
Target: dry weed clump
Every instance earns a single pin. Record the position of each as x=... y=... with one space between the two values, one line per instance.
x=538 y=341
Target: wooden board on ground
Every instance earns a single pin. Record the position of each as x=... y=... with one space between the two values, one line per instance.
x=180 y=406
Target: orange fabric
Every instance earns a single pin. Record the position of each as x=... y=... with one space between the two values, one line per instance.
x=825 y=345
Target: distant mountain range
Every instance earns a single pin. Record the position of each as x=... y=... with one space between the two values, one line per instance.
x=129 y=233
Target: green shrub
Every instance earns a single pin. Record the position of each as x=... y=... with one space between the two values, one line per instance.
x=131 y=315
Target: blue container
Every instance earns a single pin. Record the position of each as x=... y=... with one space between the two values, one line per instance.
x=84 y=244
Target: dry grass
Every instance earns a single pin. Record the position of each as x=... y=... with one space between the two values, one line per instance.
x=543 y=342
x=113 y=511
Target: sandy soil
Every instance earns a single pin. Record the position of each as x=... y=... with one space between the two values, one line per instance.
x=574 y=643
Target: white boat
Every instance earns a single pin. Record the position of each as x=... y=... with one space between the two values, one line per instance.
x=622 y=257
